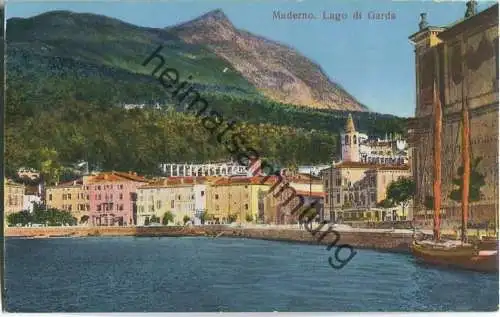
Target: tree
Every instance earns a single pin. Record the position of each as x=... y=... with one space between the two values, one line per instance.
x=186 y=219
x=232 y=218
x=84 y=219
x=22 y=217
x=249 y=217
x=475 y=184
x=401 y=191
x=206 y=217
x=167 y=217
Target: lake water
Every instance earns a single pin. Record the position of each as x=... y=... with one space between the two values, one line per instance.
x=224 y=274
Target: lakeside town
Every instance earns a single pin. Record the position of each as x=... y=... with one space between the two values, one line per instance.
x=353 y=189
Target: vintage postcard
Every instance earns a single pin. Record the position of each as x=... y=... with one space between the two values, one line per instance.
x=250 y=156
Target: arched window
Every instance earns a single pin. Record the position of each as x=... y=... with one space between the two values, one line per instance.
x=346 y=141
x=354 y=139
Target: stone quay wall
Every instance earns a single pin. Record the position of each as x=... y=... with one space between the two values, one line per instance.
x=388 y=241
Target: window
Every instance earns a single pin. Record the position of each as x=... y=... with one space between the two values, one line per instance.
x=88 y=197
x=98 y=207
x=338 y=198
x=346 y=139
x=111 y=196
x=121 y=196
x=99 y=197
x=216 y=196
x=64 y=196
x=171 y=204
x=121 y=186
x=50 y=196
x=354 y=139
x=202 y=193
x=326 y=184
x=246 y=206
x=192 y=196
x=99 y=187
x=158 y=204
x=326 y=199
x=178 y=197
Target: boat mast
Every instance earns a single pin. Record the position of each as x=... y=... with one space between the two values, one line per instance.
x=465 y=162
x=437 y=162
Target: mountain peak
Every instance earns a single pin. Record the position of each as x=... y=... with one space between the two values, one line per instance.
x=216 y=14
x=215 y=18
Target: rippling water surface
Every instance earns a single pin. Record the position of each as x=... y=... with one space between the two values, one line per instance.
x=224 y=274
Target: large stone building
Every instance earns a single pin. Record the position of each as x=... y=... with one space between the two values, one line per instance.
x=461 y=61
x=354 y=187
x=240 y=198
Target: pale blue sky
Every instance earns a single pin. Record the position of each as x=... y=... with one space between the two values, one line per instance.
x=373 y=60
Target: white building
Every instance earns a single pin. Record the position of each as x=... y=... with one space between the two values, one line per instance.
x=200 y=202
x=29 y=201
x=358 y=147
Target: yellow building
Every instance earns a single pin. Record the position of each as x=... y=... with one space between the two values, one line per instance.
x=13 y=197
x=461 y=62
x=240 y=199
x=180 y=196
x=70 y=196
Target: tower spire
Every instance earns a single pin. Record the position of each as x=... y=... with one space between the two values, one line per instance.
x=349 y=125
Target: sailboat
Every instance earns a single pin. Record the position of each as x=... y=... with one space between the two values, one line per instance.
x=453 y=253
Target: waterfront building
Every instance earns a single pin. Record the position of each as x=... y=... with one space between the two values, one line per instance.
x=13 y=197
x=113 y=197
x=280 y=205
x=200 y=202
x=354 y=187
x=183 y=197
x=236 y=198
x=460 y=63
x=70 y=196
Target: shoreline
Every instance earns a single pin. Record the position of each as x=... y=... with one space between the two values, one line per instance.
x=394 y=241
x=397 y=241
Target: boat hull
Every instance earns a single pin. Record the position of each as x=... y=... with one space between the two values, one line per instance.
x=462 y=258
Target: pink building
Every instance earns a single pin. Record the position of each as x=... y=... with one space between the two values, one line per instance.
x=113 y=197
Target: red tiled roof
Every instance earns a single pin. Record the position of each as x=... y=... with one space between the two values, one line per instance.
x=75 y=182
x=116 y=177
